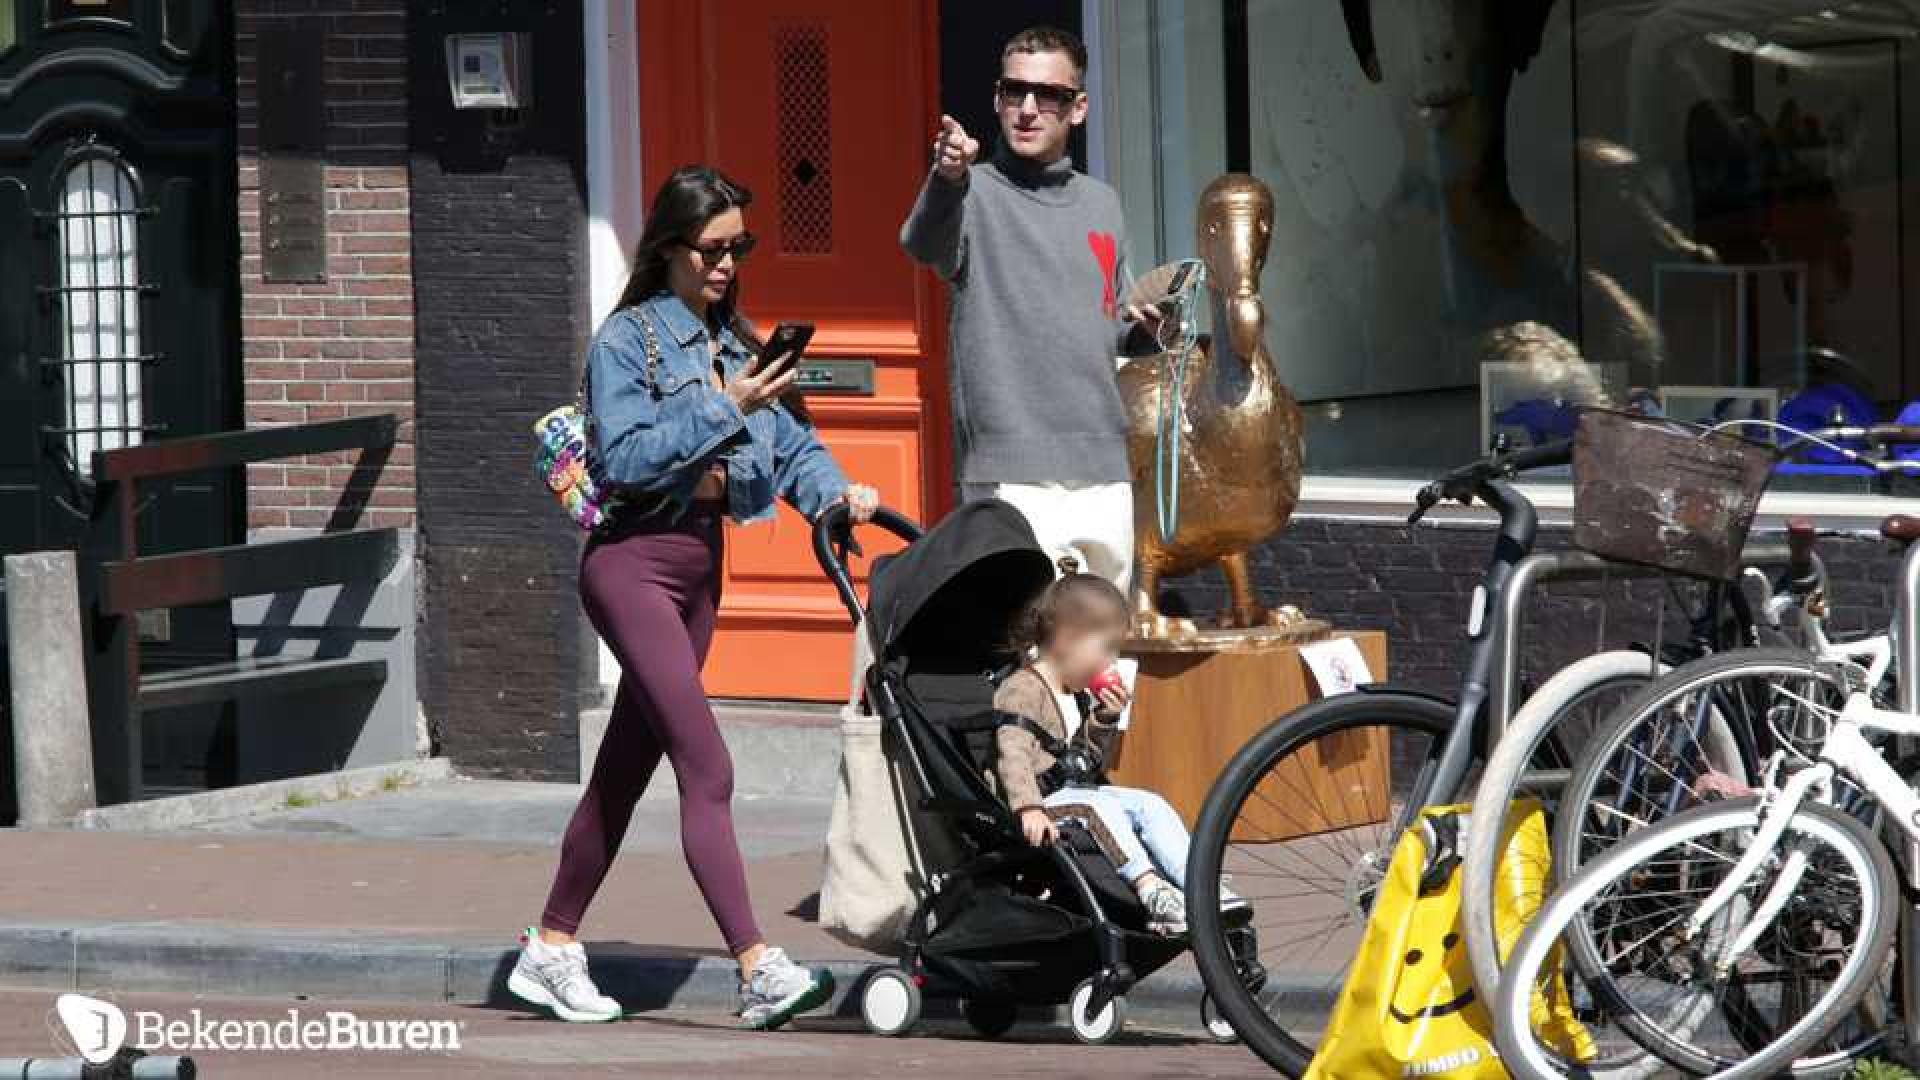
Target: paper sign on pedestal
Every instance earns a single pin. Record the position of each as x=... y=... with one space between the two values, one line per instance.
x=1337 y=665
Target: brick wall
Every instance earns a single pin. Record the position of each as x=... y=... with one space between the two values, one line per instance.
x=500 y=269
x=343 y=348
x=1416 y=585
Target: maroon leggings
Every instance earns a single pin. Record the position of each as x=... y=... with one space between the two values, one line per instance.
x=651 y=591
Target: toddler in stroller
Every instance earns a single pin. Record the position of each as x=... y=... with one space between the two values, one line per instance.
x=1001 y=923
x=1053 y=751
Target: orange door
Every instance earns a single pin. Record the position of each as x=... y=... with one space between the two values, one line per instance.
x=823 y=108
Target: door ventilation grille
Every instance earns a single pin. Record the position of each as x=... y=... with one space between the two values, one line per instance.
x=804 y=107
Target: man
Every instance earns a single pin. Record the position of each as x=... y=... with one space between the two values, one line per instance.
x=1033 y=253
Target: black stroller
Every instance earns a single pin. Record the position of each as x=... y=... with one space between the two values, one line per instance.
x=1011 y=924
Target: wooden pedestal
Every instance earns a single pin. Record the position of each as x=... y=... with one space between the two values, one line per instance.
x=1193 y=710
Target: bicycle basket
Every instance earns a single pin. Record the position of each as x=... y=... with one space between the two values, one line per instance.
x=1664 y=493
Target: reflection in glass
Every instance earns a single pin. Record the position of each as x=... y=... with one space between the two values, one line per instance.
x=1705 y=196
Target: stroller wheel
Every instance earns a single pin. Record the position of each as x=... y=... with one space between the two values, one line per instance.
x=1218 y=1027
x=1099 y=1027
x=890 y=1002
x=989 y=1018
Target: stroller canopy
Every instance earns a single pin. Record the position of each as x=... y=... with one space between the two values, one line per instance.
x=956 y=590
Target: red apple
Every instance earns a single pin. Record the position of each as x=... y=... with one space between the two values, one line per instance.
x=1108 y=680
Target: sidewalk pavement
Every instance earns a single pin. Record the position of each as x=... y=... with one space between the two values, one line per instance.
x=415 y=895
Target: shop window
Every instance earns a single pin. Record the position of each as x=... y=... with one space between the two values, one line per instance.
x=98 y=311
x=1692 y=208
x=804 y=89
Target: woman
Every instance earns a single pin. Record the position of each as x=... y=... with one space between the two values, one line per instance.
x=686 y=429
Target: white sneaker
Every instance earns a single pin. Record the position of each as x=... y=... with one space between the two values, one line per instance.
x=1166 y=910
x=779 y=989
x=1231 y=901
x=555 y=977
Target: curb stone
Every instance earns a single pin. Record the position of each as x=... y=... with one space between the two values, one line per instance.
x=135 y=957
x=248 y=800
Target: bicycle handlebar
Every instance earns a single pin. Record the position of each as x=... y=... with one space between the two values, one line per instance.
x=1873 y=433
x=1878 y=435
x=1486 y=478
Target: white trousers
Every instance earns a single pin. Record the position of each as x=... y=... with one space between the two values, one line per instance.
x=1093 y=524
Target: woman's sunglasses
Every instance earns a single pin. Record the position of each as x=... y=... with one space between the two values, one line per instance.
x=739 y=247
x=1050 y=97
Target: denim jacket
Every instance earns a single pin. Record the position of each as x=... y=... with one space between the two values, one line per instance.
x=655 y=433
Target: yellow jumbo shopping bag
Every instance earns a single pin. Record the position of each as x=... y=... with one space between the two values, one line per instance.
x=1409 y=1007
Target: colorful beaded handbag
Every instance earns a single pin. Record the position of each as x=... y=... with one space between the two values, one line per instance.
x=563 y=451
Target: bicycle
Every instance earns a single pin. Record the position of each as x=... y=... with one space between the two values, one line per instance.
x=1437 y=742
x=1794 y=605
x=1739 y=900
x=1427 y=738
x=1345 y=867
x=1652 y=763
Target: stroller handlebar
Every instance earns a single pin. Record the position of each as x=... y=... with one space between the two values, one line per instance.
x=833 y=539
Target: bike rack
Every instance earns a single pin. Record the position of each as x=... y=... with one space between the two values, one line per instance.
x=1503 y=695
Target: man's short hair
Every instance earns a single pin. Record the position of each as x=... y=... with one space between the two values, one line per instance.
x=1041 y=39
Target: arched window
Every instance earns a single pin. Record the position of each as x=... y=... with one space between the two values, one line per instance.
x=99 y=317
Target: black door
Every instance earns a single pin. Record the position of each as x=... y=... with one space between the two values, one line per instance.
x=118 y=286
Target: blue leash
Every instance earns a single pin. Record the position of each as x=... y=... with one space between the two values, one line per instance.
x=1173 y=401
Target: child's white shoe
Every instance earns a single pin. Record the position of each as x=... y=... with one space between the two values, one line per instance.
x=1166 y=910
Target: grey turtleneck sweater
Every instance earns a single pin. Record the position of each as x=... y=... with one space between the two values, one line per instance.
x=1033 y=254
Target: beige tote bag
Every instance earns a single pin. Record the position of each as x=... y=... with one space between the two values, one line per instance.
x=881 y=848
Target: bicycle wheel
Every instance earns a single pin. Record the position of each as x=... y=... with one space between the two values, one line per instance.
x=1696 y=735
x=1532 y=757
x=1569 y=709
x=1626 y=913
x=1304 y=820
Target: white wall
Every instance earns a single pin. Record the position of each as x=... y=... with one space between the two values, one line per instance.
x=615 y=189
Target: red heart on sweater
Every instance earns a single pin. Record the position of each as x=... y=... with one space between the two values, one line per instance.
x=1106 y=251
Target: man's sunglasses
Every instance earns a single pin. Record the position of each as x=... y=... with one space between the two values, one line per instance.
x=739 y=247
x=1051 y=97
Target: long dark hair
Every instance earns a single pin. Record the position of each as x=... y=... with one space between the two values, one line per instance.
x=691 y=197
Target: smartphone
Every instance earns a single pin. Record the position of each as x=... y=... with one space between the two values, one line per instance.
x=785 y=346
x=1169 y=303
x=1179 y=282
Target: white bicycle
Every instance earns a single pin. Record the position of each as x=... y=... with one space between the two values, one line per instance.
x=1736 y=900
x=1736 y=936
x=1642 y=759
x=1704 y=732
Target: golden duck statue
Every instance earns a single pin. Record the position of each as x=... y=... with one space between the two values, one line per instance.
x=1239 y=433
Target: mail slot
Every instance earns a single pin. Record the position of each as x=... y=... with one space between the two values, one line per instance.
x=848 y=378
